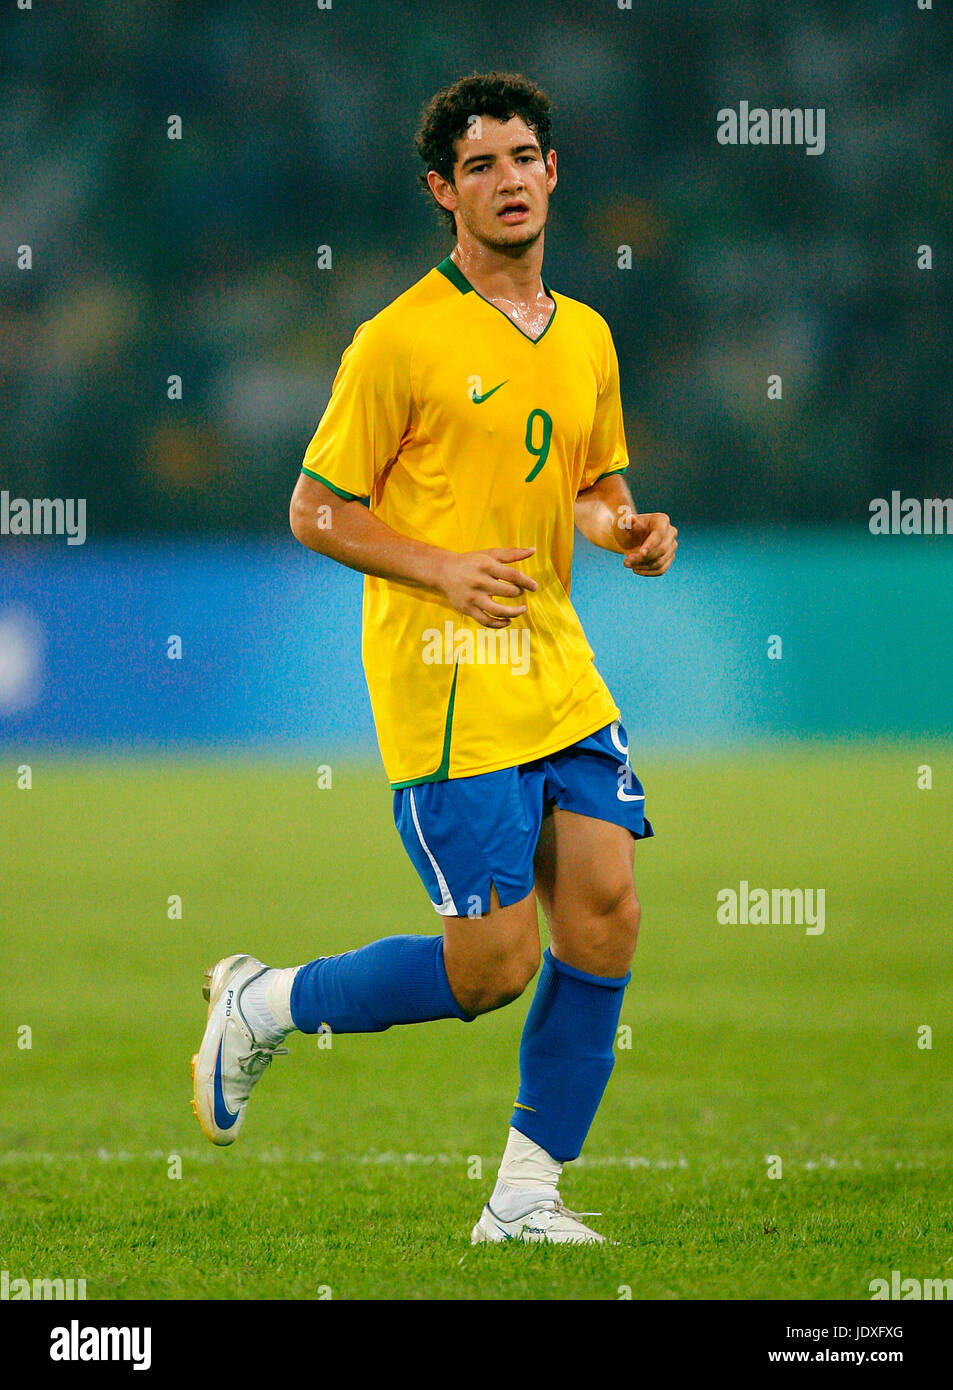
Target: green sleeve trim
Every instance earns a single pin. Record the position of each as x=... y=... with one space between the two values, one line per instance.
x=611 y=474
x=443 y=771
x=339 y=491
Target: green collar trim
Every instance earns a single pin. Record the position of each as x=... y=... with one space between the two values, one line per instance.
x=455 y=275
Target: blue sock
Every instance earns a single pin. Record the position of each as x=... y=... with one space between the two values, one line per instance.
x=399 y=979
x=566 y=1056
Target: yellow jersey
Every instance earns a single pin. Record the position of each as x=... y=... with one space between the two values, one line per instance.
x=458 y=429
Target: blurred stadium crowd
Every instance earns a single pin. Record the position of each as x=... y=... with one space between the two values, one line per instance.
x=199 y=257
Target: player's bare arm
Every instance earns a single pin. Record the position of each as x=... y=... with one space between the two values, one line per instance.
x=606 y=516
x=472 y=582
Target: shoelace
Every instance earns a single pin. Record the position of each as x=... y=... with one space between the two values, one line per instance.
x=261 y=1054
x=560 y=1209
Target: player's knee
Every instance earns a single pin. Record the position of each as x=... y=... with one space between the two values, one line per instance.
x=613 y=931
x=624 y=931
x=516 y=973
x=500 y=980
x=634 y=918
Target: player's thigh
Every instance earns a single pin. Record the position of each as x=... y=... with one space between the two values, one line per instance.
x=584 y=879
x=492 y=958
x=472 y=841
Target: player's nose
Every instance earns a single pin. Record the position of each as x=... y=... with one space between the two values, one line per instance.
x=511 y=178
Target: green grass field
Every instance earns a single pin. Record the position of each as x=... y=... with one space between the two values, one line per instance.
x=355 y=1169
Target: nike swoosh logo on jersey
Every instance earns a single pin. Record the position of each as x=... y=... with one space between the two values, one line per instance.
x=478 y=400
x=623 y=795
x=223 y=1116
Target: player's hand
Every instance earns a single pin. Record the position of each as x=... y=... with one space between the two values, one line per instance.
x=473 y=581
x=649 y=541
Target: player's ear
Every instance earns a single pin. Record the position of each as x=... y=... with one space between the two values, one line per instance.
x=551 y=170
x=442 y=190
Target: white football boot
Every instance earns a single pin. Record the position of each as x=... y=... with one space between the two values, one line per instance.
x=548 y=1219
x=231 y=1059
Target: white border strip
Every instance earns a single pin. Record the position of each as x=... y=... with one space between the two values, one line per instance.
x=446 y=907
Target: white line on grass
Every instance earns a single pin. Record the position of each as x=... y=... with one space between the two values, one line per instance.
x=387 y=1159
x=391 y=1158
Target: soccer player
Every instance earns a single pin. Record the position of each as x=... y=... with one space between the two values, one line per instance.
x=472 y=423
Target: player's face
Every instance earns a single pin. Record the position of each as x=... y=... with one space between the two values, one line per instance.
x=502 y=183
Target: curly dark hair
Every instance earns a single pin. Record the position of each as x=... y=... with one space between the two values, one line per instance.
x=445 y=119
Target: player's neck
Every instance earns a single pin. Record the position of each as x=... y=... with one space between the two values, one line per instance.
x=497 y=275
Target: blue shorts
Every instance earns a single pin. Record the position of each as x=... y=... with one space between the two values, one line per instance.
x=465 y=834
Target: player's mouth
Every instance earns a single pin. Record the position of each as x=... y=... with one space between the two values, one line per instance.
x=513 y=213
